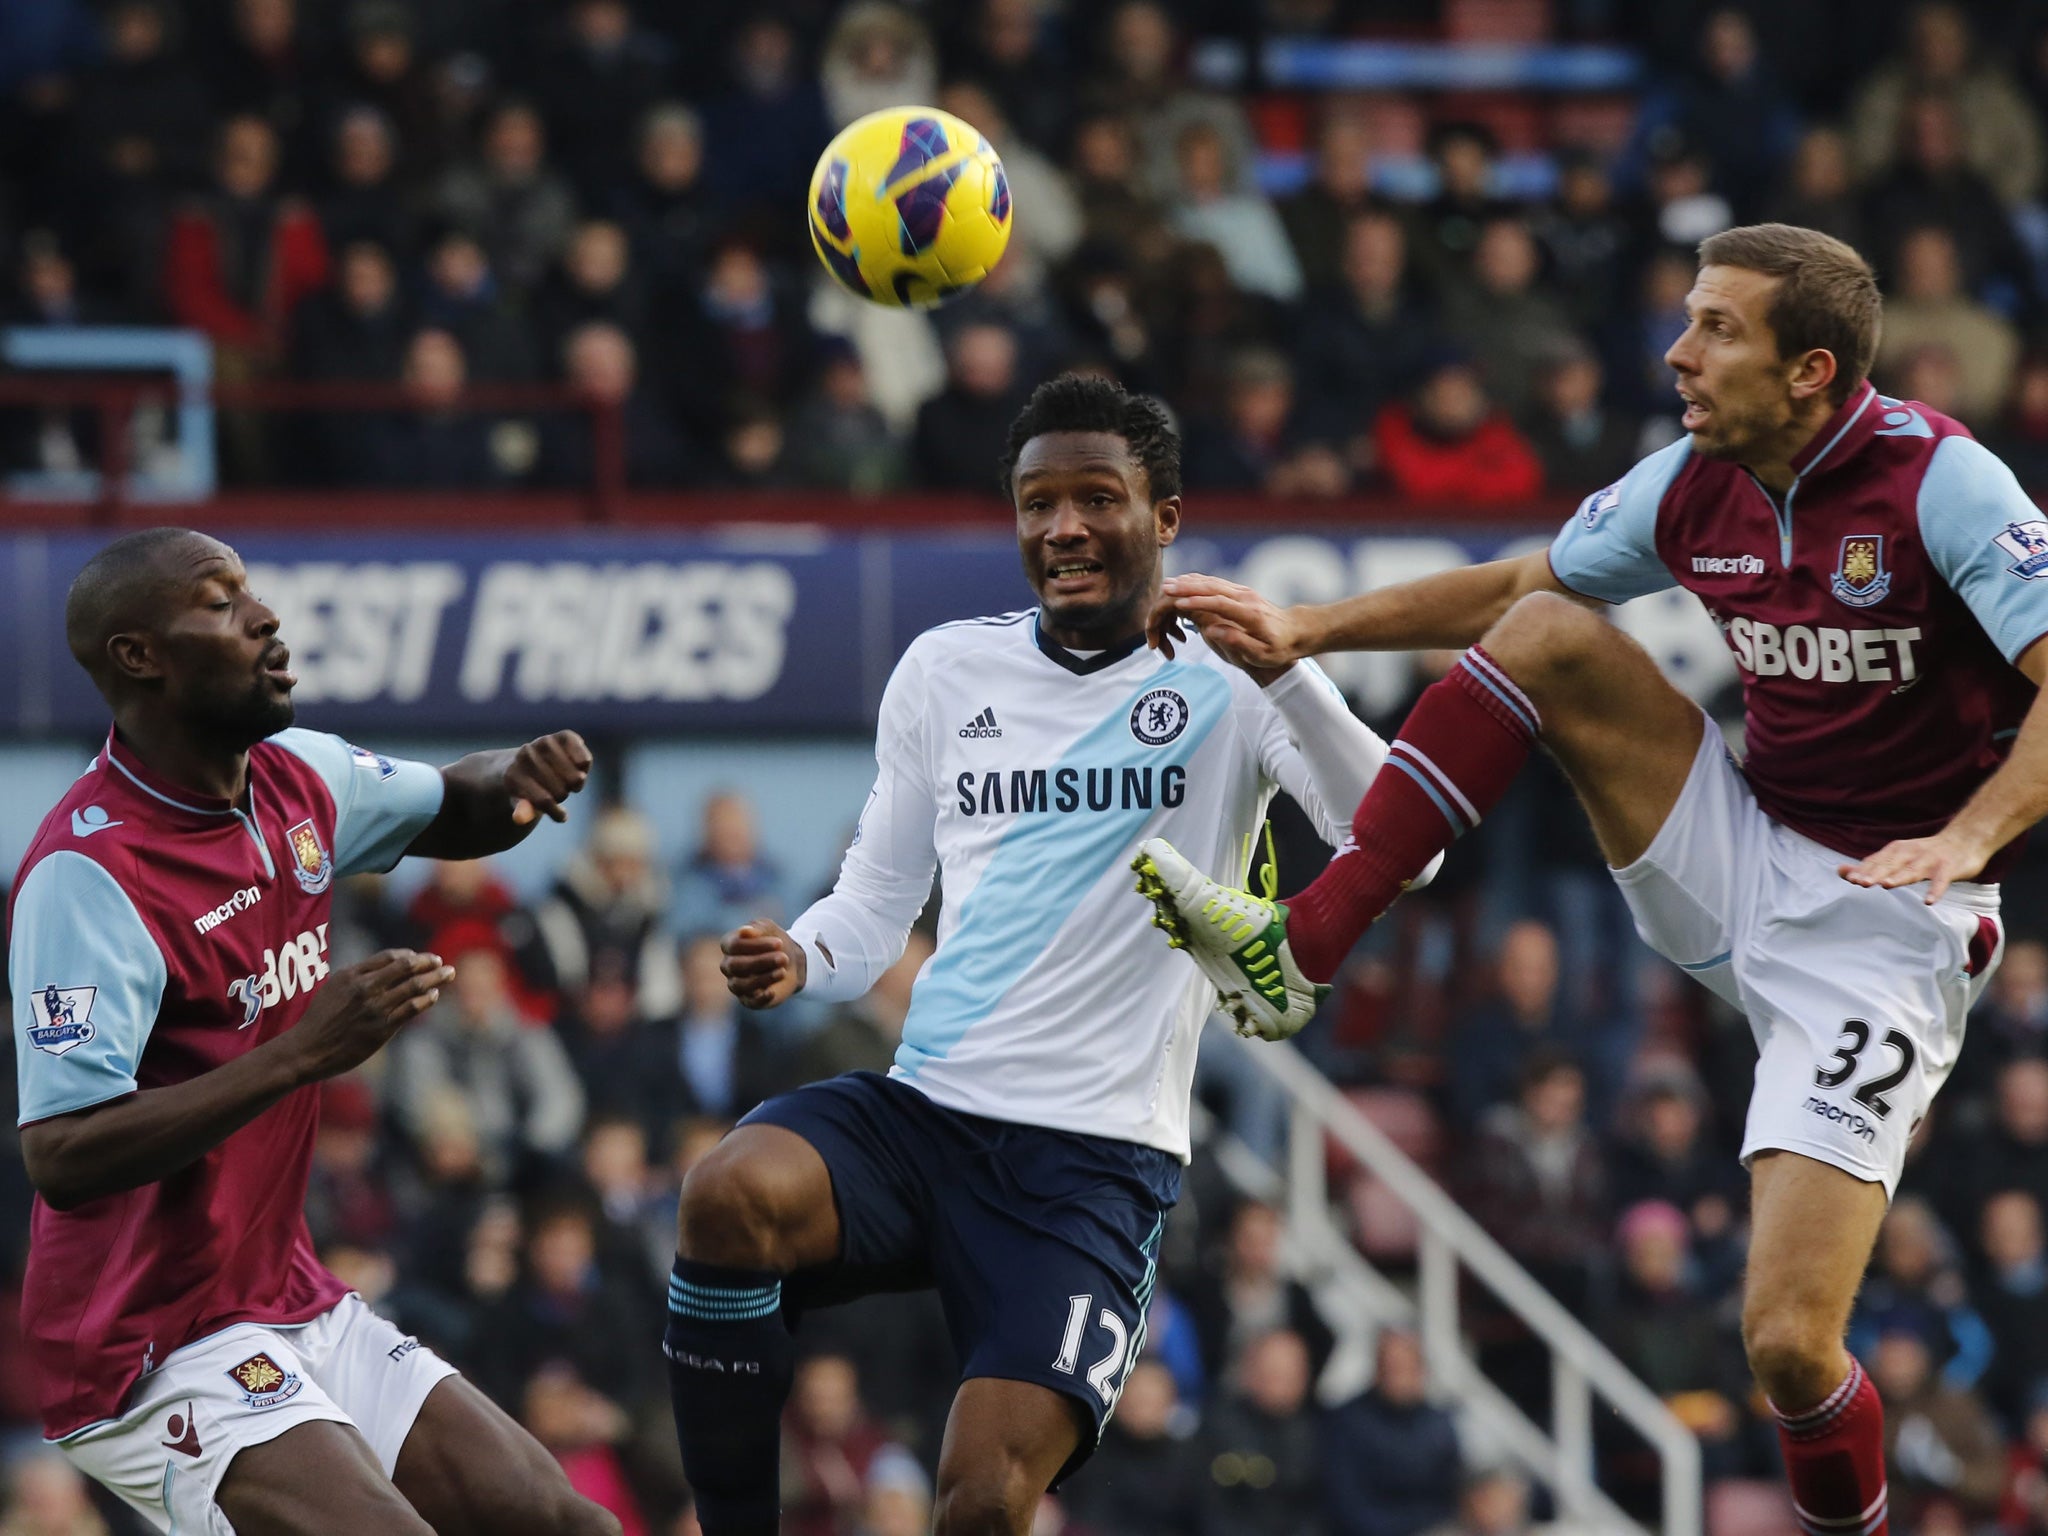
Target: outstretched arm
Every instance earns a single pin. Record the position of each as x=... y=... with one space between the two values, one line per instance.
x=491 y=800
x=2005 y=805
x=1450 y=609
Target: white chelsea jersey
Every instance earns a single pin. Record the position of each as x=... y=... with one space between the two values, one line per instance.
x=1029 y=775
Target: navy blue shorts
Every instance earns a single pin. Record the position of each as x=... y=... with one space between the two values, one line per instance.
x=1043 y=1245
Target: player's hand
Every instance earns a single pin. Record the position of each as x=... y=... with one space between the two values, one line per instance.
x=763 y=966
x=360 y=1007
x=1238 y=624
x=544 y=773
x=1940 y=860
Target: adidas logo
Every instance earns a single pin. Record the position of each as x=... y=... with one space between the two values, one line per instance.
x=982 y=727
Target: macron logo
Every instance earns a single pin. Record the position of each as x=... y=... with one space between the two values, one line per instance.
x=982 y=727
x=89 y=820
x=241 y=901
x=1727 y=565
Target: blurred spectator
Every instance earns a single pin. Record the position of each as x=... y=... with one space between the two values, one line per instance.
x=463 y=893
x=756 y=449
x=628 y=1067
x=1820 y=192
x=1118 y=212
x=1492 y=1503
x=47 y=1496
x=1141 y=77
x=609 y=897
x=666 y=212
x=1447 y=442
x=1930 y=308
x=595 y=282
x=1536 y=1180
x=1054 y=228
x=1684 y=206
x=435 y=440
x=604 y=73
x=462 y=295
x=1502 y=315
x=1587 y=244
x=2000 y=137
x=1583 y=445
x=1319 y=217
x=355 y=329
x=1362 y=344
x=725 y=1060
x=728 y=879
x=738 y=335
x=1391 y=1460
x=1666 y=1155
x=898 y=1498
x=1016 y=297
x=1260 y=1447
x=1932 y=183
x=1242 y=226
x=1675 y=1338
x=1145 y=1478
x=581 y=1427
x=2012 y=1297
x=46 y=289
x=2020 y=438
x=636 y=1229
x=877 y=55
x=1259 y=445
x=601 y=366
x=1941 y=1442
x=829 y=1447
x=762 y=135
x=862 y=1036
x=840 y=441
x=2011 y=1152
x=1658 y=321
x=382 y=70
x=239 y=261
x=269 y=67
x=2025 y=1511
x=1008 y=49
x=960 y=430
x=366 y=202
x=1916 y=1283
x=142 y=114
x=1931 y=373
x=1449 y=224
x=1732 y=107
x=1246 y=1292
x=348 y=1199
x=519 y=208
x=515 y=1077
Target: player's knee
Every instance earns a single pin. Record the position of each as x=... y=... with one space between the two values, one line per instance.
x=1544 y=637
x=1794 y=1356
x=989 y=1501
x=735 y=1211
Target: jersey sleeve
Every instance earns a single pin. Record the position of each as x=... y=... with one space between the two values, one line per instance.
x=88 y=981
x=380 y=803
x=1988 y=540
x=1609 y=548
x=858 y=929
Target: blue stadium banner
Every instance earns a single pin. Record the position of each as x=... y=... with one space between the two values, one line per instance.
x=755 y=630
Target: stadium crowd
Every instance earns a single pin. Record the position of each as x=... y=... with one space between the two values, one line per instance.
x=1457 y=297
x=603 y=193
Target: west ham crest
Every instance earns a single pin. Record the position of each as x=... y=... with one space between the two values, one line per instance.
x=1860 y=577
x=264 y=1382
x=311 y=865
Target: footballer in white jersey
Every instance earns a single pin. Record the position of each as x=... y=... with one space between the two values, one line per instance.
x=1024 y=1150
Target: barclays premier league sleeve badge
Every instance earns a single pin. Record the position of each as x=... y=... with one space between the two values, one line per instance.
x=62 y=1018
x=2027 y=543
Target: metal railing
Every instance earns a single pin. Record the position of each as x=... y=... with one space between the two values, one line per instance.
x=1561 y=1457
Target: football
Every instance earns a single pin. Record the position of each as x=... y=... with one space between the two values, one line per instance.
x=909 y=206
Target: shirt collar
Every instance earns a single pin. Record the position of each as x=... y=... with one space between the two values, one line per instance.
x=1080 y=666
x=122 y=759
x=1847 y=430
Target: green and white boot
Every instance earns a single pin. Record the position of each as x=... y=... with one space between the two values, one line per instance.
x=1238 y=939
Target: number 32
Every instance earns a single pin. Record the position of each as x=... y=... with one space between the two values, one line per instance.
x=1856 y=1034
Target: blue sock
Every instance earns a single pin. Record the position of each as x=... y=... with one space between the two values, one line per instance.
x=730 y=1360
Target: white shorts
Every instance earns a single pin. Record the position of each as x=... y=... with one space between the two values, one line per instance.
x=243 y=1386
x=1856 y=996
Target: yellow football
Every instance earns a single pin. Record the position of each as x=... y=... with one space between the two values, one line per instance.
x=909 y=206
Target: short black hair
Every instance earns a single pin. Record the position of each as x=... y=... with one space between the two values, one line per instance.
x=124 y=586
x=1086 y=402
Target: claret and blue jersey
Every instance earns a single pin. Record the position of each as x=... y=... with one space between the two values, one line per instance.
x=1875 y=611
x=156 y=934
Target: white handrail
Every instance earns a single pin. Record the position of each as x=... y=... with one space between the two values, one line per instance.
x=1580 y=1365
